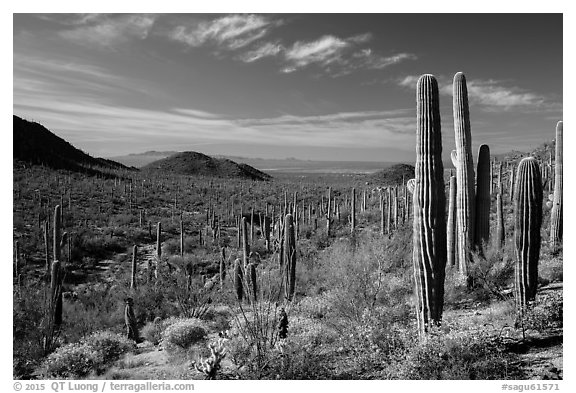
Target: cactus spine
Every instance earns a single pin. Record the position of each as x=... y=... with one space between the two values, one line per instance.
x=528 y=219
x=290 y=257
x=483 y=181
x=451 y=228
x=556 y=218
x=464 y=173
x=429 y=236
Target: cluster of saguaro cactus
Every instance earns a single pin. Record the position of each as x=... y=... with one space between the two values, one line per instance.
x=462 y=159
x=483 y=181
x=556 y=217
x=528 y=220
x=429 y=235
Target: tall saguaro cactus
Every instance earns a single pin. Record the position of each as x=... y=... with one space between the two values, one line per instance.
x=500 y=234
x=353 y=211
x=429 y=235
x=465 y=198
x=528 y=219
x=451 y=228
x=134 y=267
x=556 y=218
x=483 y=181
x=290 y=257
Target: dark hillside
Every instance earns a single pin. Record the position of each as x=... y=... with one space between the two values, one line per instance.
x=198 y=164
x=35 y=144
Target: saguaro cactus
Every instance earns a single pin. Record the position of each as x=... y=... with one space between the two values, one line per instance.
x=465 y=198
x=500 y=233
x=483 y=181
x=451 y=228
x=56 y=272
x=238 y=278
x=429 y=235
x=556 y=218
x=134 y=267
x=353 y=211
x=528 y=219
x=289 y=257
x=222 y=267
x=245 y=244
x=130 y=321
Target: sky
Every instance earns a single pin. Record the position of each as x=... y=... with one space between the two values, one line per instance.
x=310 y=86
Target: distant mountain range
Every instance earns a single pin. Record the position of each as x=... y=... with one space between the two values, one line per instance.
x=35 y=144
x=193 y=163
x=288 y=165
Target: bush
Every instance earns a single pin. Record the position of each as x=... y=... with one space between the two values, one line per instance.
x=71 y=361
x=109 y=345
x=182 y=334
x=92 y=354
x=546 y=312
x=457 y=354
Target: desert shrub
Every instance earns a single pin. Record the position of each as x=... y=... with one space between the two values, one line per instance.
x=71 y=361
x=546 y=312
x=458 y=353
x=182 y=334
x=92 y=354
x=152 y=332
x=110 y=346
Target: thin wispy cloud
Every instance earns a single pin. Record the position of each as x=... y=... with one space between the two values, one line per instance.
x=268 y=49
x=329 y=118
x=231 y=32
x=492 y=95
x=108 y=31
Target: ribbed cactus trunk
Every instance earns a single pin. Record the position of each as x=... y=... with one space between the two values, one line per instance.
x=238 y=280
x=500 y=231
x=556 y=218
x=353 y=211
x=159 y=241
x=465 y=198
x=252 y=282
x=134 y=267
x=451 y=226
x=181 y=237
x=528 y=219
x=329 y=212
x=429 y=235
x=56 y=272
x=289 y=257
x=483 y=181
x=245 y=244
x=130 y=321
x=222 y=267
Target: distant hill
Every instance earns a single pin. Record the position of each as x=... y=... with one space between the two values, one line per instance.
x=198 y=164
x=393 y=175
x=139 y=160
x=35 y=144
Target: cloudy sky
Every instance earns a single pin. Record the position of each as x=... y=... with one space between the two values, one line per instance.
x=311 y=86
